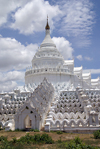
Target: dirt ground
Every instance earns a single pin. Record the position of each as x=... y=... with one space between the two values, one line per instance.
x=87 y=138
x=54 y=135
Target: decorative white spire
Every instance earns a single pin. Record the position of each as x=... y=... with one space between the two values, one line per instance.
x=47 y=26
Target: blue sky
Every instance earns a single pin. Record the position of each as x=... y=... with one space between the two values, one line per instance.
x=75 y=29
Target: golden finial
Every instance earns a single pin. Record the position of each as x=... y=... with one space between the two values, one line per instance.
x=47 y=26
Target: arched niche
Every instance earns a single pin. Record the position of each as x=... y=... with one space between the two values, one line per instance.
x=27 y=122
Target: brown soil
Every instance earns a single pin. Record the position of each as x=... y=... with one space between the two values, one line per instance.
x=54 y=135
x=87 y=138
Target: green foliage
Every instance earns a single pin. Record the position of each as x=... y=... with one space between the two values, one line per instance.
x=3 y=139
x=25 y=141
x=36 y=130
x=37 y=138
x=77 y=144
x=59 y=132
x=77 y=140
x=10 y=130
x=46 y=139
x=1 y=127
x=74 y=144
x=96 y=134
x=31 y=129
x=60 y=141
x=28 y=139
x=14 y=140
x=20 y=130
x=17 y=130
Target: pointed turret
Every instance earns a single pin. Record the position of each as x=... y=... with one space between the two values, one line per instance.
x=47 y=40
x=47 y=25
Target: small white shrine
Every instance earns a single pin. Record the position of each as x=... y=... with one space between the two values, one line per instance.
x=56 y=95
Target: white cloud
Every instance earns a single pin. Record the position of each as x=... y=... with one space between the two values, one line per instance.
x=6 y=7
x=64 y=47
x=73 y=18
x=8 y=86
x=88 y=58
x=79 y=57
x=12 y=76
x=9 y=80
x=93 y=71
x=14 y=55
x=32 y=17
x=78 y=20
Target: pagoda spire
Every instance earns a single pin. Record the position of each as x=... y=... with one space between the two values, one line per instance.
x=47 y=25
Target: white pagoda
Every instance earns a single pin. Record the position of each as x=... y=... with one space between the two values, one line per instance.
x=56 y=95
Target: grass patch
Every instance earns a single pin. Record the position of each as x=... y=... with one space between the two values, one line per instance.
x=96 y=134
x=59 y=132
x=36 y=130
x=74 y=144
x=43 y=141
x=25 y=141
x=59 y=141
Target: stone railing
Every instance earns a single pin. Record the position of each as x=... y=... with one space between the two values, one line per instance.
x=48 y=70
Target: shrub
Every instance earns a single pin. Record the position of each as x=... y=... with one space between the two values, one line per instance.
x=77 y=140
x=3 y=139
x=96 y=134
x=10 y=130
x=36 y=130
x=46 y=139
x=26 y=139
x=17 y=129
x=14 y=140
x=37 y=138
x=59 y=132
x=1 y=127
x=77 y=144
x=60 y=141
x=31 y=129
x=52 y=131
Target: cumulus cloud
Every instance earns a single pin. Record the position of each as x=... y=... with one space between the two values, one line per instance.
x=32 y=16
x=79 y=57
x=88 y=58
x=8 y=86
x=77 y=20
x=78 y=17
x=6 y=7
x=9 y=80
x=12 y=76
x=14 y=55
x=64 y=47
x=73 y=18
